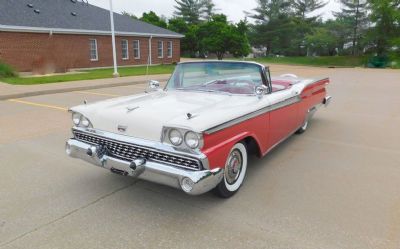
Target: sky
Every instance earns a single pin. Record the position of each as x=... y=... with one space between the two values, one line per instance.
x=234 y=9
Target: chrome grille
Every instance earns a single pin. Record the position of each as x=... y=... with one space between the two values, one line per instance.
x=129 y=152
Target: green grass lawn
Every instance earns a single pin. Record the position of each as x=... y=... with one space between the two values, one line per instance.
x=89 y=75
x=321 y=61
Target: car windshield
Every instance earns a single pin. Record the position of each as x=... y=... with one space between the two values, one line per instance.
x=227 y=77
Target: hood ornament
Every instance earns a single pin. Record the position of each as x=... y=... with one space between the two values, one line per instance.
x=190 y=115
x=129 y=109
x=122 y=128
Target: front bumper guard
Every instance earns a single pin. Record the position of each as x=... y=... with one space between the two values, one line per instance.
x=191 y=182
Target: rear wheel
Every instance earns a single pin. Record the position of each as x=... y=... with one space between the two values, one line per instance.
x=303 y=128
x=234 y=172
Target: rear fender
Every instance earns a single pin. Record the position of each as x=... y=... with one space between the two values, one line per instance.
x=312 y=95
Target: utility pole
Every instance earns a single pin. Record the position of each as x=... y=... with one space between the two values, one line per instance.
x=115 y=74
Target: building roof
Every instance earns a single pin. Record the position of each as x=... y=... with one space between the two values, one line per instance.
x=71 y=16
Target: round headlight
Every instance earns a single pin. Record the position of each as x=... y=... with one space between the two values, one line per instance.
x=85 y=122
x=175 y=137
x=192 y=139
x=76 y=118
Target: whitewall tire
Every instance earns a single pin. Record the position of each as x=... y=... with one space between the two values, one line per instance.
x=234 y=171
x=303 y=128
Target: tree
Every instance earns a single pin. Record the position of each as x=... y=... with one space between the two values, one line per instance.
x=178 y=25
x=267 y=10
x=124 y=13
x=339 y=29
x=219 y=37
x=385 y=14
x=322 y=41
x=304 y=7
x=356 y=12
x=154 y=19
x=241 y=46
x=189 y=43
x=209 y=9
x=305 y=24
x=189 y=10
x=274 y=26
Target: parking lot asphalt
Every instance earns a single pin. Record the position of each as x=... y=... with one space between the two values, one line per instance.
x=335 y=186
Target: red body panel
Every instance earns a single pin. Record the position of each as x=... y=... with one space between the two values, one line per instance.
x=282 y=122
x=267 y=129
x=313 y=94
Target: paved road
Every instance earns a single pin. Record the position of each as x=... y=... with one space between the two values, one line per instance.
x=335 y=186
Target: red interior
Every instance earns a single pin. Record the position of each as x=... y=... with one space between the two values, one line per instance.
x=279 y=85
x=246 y=87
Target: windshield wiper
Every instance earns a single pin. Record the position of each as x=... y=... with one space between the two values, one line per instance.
x=196 y=89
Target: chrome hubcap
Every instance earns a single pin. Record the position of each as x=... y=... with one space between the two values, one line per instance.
x=233 y=167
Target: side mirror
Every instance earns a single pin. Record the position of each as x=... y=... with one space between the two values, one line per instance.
x=261 y=90
x=154 y=85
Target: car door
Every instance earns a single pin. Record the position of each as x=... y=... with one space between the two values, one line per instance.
x=284 y=115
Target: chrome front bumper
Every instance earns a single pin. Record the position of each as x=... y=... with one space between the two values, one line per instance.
x=191 y=182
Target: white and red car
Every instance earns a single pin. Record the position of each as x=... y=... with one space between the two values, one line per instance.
x=196 y=134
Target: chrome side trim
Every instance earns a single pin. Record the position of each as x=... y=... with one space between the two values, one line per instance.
x=282 y=140
x=150 y=145
x=273 y=107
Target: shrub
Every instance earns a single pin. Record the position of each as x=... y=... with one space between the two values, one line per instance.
x=6 y=71
x=394 y=61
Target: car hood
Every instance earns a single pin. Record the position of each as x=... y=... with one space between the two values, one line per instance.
x=144 y=115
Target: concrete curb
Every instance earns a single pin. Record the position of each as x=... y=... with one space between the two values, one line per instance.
x=71 y=89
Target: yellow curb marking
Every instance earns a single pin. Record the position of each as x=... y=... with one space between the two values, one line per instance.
x=100 y=94
x=38 y=104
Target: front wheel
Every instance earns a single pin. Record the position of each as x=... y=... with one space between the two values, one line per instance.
x=234 y=172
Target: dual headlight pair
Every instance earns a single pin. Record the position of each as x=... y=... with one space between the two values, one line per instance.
x=181 y=137
x=81 y=121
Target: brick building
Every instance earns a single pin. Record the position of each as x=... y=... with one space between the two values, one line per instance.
x=45 y=36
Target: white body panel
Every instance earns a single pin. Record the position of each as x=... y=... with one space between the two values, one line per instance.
x=146 y=114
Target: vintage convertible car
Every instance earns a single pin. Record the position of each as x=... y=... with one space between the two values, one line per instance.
x=196 y=134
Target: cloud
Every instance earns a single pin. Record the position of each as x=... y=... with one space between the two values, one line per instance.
x=234 y=9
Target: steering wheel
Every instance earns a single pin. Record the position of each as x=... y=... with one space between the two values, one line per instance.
x=248 y=83
x=239 y=86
